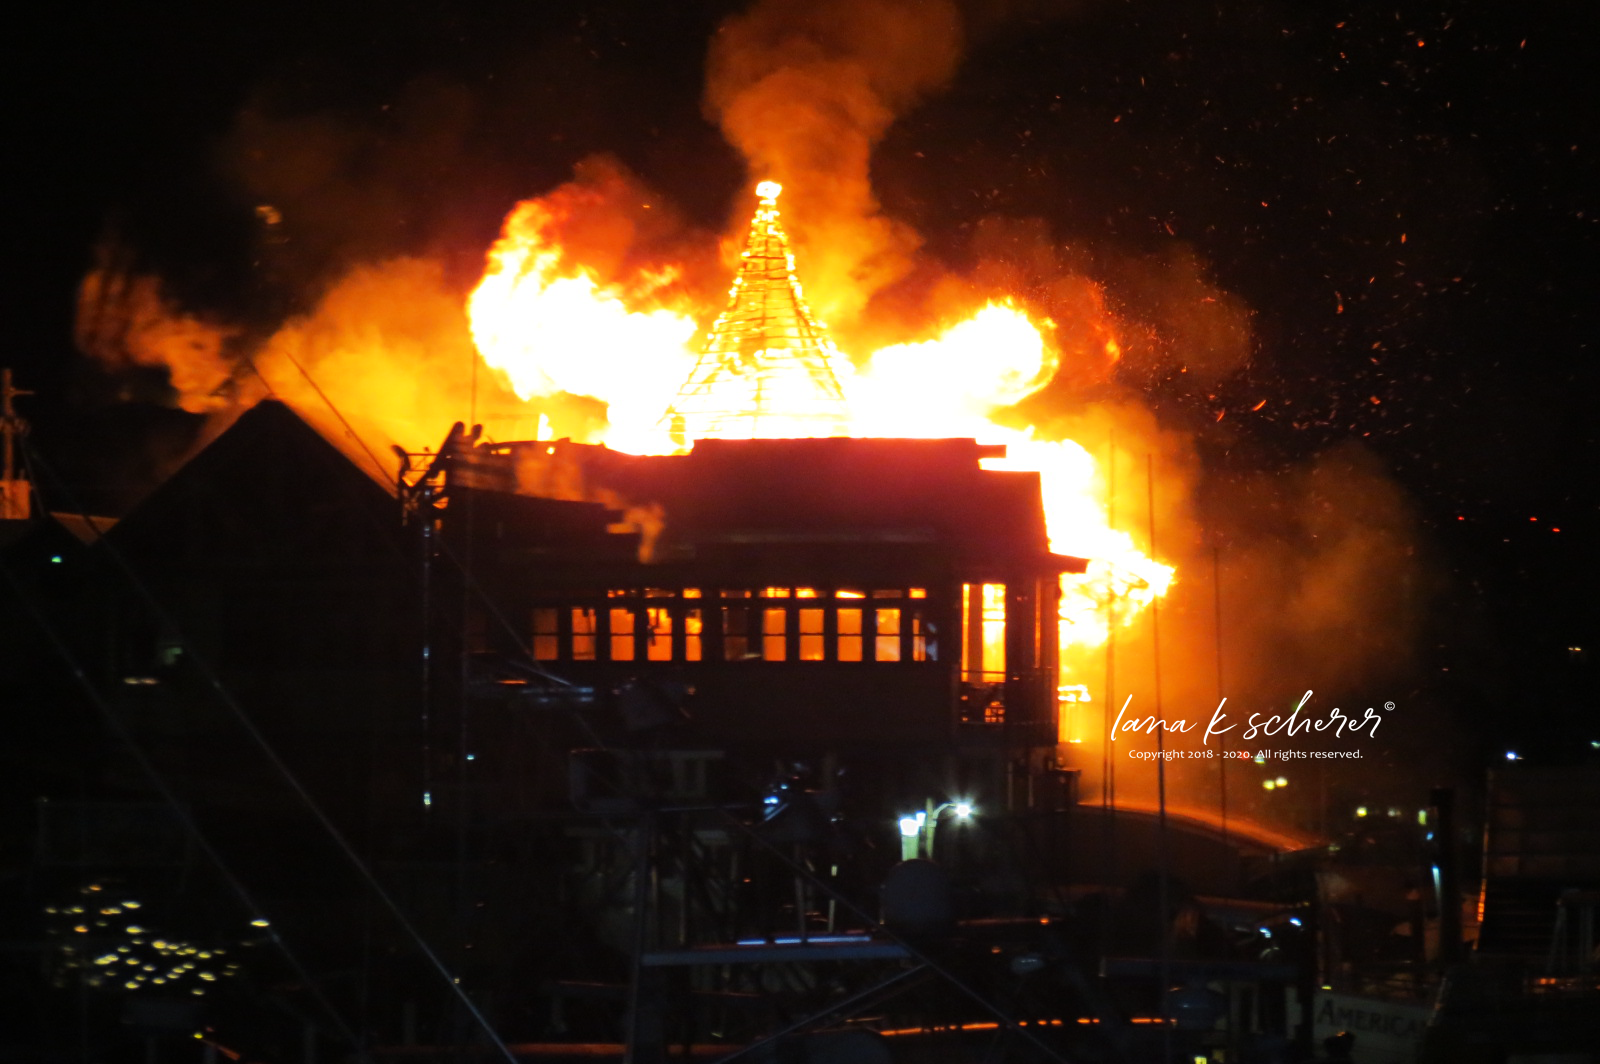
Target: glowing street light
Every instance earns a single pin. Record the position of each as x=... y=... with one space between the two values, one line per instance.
x=917 y=830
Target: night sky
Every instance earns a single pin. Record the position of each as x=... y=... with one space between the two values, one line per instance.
x=1403 y=195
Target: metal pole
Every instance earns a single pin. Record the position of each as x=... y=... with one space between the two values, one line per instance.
x=1222 y=766
x=1162 y=920
x=645 y=1045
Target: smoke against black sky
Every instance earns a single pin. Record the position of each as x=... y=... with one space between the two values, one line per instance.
x=1313 y=228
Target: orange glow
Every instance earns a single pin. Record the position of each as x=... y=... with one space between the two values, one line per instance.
x=991 y=360
x=955 y=385
x=551 y=326
x=1274 y=837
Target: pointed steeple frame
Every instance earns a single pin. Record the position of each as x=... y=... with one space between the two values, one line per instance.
x=767 y=366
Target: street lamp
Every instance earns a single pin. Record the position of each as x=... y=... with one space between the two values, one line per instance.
x=917 y=830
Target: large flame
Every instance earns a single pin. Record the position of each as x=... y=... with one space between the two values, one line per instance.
x=552 y=327
x=955 y=385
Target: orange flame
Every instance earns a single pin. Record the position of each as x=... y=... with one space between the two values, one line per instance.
x=552 y=327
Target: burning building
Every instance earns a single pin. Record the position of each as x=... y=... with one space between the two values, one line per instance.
x=582 y=714
x=580 y=711
x=489 y=694
x=813 y=593
x=763 y=564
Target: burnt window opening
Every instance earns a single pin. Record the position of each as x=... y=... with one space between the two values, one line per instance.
x=585 y=634
x=983 y=653
x=773 y=645
x=622 y=634
x=847 y=646
x=546 y=633
x=983 y=633
x=769 y=624
x=735 y=633
x=693 y=634
x=658 y=646
x=812 y=629
x=886 y=641
x=924 y=637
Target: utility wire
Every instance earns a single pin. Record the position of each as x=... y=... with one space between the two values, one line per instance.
x=994 y=1010
x=860 y=913
x=445 y=550
x=448 y=553
x=246 y=722
x=181 y=811
x=348 y=428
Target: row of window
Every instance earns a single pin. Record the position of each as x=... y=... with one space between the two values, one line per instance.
x=768 y=593
x=776 y=624
x=740 y=633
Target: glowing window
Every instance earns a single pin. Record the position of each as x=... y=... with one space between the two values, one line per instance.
x=772 y=635
x=849 y=593
x=811 y=646
x=969 y=638
x=583 y=635
x=983 y=633
x=546 y=633
x=658 y=647
x=805 y=592
x=919 y=592
x=775 y=592
x=692 y=633
x=691 y=592
x=994 y=629
x=621 y=635
x=848 y=644
x=886 y=645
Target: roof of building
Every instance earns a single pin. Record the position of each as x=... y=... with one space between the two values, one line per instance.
x=270 y=486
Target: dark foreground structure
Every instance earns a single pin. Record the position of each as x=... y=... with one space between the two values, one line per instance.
x=543 y=747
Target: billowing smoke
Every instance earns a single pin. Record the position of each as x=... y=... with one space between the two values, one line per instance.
x=804 y=90
x=1290 y=578
x=126 y=321
x=383 y=358
x=1307 y=577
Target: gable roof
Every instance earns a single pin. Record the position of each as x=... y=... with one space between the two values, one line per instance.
x=269 y=487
